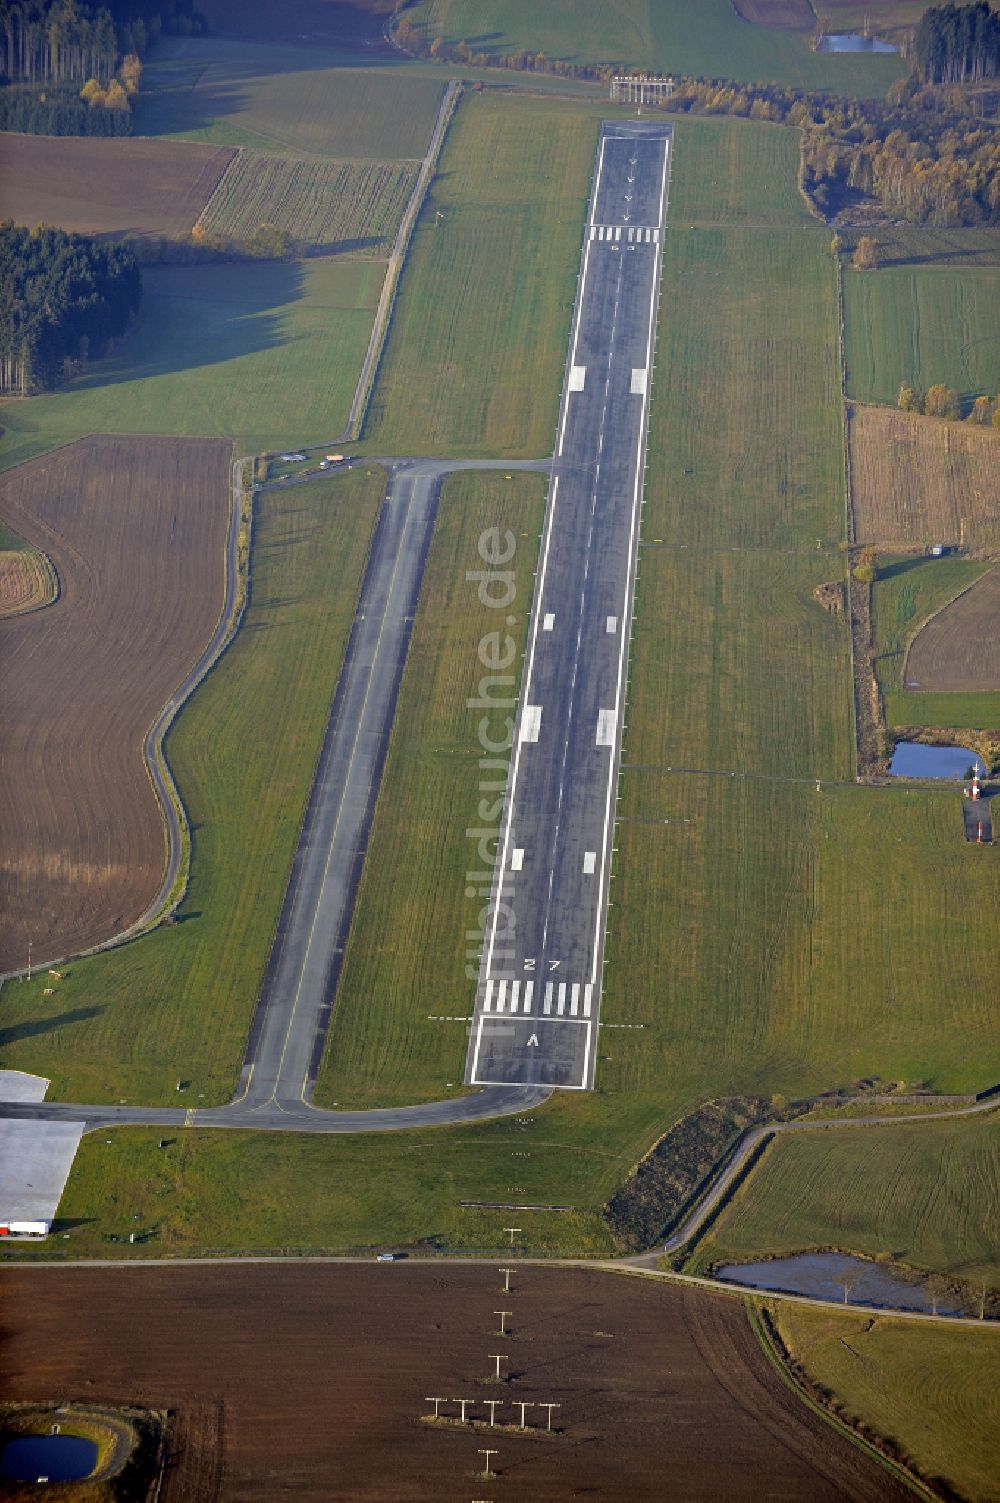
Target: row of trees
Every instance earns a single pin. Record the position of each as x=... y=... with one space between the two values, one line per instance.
x=59 y=112
x=62 y=299
x=70 y=41
x=941 y=401
x=958 y=43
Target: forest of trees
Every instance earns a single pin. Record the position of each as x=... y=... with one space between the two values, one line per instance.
x=958 y=44
x=71 y=41
x=62 y=298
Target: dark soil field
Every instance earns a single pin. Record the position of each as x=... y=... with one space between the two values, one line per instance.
x=343 y=23
x=96 y=186
x=783 y=15
x=311 y=1381
x=135 y=529
x=957 y=649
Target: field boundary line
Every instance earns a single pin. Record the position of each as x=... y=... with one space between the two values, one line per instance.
x=387 y=299
x=236 y=157
x=779 y=1357
x=992 y=567
x=173 y=814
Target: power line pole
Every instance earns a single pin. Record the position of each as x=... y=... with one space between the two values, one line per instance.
x=522 y=1404
x=29 y=978
x=498 y=1357
x=506 y=1278
x=550 y=1408
x=464 y=1403
x=437 y=1404
x=488 y=1454
x=512 y=1232
x=493 y=1405
x=503 y=1314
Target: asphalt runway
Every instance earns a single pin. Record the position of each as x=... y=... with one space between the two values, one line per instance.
x=538 y=997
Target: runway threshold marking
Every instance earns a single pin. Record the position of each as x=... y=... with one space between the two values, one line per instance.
x=606 y=727
x=531 y=722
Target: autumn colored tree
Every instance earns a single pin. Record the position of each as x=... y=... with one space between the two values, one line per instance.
x=907 y=401
x=131 y=73
x=982 y=412
x=865 y=571
x=866 y=254
x=941 y=402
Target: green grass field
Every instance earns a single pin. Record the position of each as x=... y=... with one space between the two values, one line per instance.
x=285 y=99
x=266 y=353
x=908 y=591
x=658 y=35
x=349 y=207
x=927 y=1195
x=922 y=325
x=476 y=348
x=975 y=711
x=179 y=1001
x=929 y=1390
x=406 y=956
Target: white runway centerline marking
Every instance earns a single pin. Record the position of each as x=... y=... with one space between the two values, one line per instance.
x=531 y=722
x=549 y=621
x=517 y=858
x=589 y=862
x=606 y=728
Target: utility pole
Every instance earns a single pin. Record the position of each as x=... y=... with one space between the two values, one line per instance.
x=512 y=1232
x=29 y=978
x=464 y=1403
x=522 y=1404
x=437 y=1405
x=488 y=1454
x=498 y=1357
x=493 y=1405
x=503 y=1314
x=550 y=1408
x=506 y=1278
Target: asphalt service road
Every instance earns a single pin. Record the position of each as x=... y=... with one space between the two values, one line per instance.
x=538 y=996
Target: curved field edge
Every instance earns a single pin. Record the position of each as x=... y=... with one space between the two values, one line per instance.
x=922 y=1194
x=177 y=1003
x=972 y=613
x=928 y=1392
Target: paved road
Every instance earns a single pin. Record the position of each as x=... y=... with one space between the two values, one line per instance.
x=539 y=990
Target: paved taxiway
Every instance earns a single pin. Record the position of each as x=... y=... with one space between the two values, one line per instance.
x=538 y=997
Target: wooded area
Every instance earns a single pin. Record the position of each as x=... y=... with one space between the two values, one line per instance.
x=71 y=41
x=958 y=43
x=62 y=298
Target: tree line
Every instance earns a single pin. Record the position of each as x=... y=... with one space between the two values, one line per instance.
x=62 y=299
x=64 y=42
x=958 y=44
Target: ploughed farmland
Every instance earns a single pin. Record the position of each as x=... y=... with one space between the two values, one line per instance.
x=94 y=185
x=957 y=649
x=135 y=529
x=311 y=1382
x=923 y=480
x=349 y=206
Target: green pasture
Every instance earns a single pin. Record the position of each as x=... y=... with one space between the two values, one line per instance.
x=907 y=592
x=408 y=950
x=285 y=99
x=930 y=1390
x=269 y=350
x=178 y=1003
x=922 y=324
x=655 y=35
x=926 y=1195
x=975 y=711
x=476 y=348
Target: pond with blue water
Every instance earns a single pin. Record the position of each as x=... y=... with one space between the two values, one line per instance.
x=56 y=1458
x=853 y=41
x=823 y=1275
x=912 y=759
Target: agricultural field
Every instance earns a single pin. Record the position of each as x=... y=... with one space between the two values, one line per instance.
x=908 y=592
x=783 y=15
x=929 y=1390
x=346 y=207
x=656 y=36
x=340 y=23
x=287 y=100
x=27 y=581
x=127 y=1022
x=957 y=649
x=979 y=712
x=916 y=481
x=922 y=325
x=925 y=1194
x=266 y=353
x=135 y=531
x=240 y=1356
x=476 y=348
x=413 y=887
x=99 y=186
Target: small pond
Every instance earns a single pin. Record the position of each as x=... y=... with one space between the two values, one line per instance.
x=822 y=1275
x=912 y=759
x=853 y=41
x=58 y=1458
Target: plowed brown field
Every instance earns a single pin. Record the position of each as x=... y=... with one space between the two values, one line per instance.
x=94 y=186
x=781 y=15
x=135 y=529
x=26 y=581
x=311 y=1382
x=959 y=648
x=919 y=480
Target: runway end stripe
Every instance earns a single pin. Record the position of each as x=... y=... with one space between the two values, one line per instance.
x=589 y=862
x=549 y=621
x=638 y=387
x=517 y=859
x=612 y=623
x=531 y=722
x=577 y=378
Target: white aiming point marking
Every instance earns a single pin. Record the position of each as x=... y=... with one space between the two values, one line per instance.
x=517 y=859
x=589 y=862
x=549 y=621
x=606 y=728
x=639 y=382
x=531 y=722
x=577 y=377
